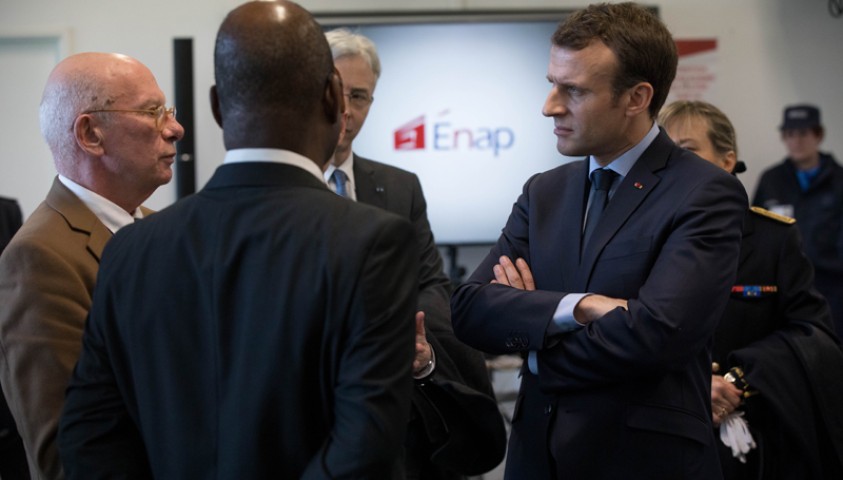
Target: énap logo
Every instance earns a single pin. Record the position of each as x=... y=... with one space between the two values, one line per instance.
x=410 y=136
x=446 y=137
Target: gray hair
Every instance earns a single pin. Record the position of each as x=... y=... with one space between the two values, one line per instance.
x=344 y=43
x=62 y=101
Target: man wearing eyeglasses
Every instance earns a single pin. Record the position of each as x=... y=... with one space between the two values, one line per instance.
x=113 y=143
x=438 y=352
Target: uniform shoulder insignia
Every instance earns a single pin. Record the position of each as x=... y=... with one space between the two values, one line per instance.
x=775 y=216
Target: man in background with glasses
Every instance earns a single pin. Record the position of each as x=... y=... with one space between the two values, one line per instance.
x=113 y=143
x=366 y=181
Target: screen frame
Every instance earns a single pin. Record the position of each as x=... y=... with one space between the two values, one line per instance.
x=337 y=19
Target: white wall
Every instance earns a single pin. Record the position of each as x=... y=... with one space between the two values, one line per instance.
x=771 y=53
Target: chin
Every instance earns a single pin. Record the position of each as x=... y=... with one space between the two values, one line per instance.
x=346 y=142
x=165 y=177
x=568 y=150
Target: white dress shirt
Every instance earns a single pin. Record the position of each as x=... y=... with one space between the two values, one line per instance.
x=109 y=213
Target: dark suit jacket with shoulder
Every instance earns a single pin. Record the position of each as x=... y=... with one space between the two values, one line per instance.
x=261 y=328
x=628 y=395
x=47 y=274
x=400 y=192
x=783 y=339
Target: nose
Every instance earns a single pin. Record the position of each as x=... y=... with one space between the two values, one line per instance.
x=173 y=131
x=553 y=104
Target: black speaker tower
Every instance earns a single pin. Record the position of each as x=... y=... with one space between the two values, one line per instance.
x=185 y=167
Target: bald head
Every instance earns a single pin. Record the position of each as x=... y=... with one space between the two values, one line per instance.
x=80 y=83
x=272 y=66
x=104 y=119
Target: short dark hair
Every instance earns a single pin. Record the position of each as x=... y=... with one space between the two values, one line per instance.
x=265 y=67
x=642 y=44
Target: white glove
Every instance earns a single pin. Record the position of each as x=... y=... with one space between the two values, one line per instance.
x=734 y=433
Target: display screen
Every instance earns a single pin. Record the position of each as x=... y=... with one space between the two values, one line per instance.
x=459 y=103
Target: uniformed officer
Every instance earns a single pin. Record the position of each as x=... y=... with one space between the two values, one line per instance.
x=778 y=366
x=808 y=186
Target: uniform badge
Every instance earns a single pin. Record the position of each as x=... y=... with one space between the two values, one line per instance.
x=754 y=290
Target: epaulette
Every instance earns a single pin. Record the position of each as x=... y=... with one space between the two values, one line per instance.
x=775 y=216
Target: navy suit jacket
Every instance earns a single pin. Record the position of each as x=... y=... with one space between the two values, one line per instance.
x=262 y=328
x=628 y=396
x=400 y=192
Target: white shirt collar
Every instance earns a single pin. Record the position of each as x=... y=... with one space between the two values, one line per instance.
x=109 y=213
x=275 y=155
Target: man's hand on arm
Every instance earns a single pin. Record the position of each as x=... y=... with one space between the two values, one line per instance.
x=518 y=275
x=592 y=307
x=515 y=275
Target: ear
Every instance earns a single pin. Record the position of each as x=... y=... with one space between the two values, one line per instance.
x=640 y=97
x=334 y=100
x=88 y=135
x=729 y=161
x=215 y=105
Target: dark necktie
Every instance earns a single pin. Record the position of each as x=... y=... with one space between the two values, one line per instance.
x=601 y=181
x=339 y=180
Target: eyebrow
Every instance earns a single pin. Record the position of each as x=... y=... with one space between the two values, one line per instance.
x=565 y=83
x=154 y=102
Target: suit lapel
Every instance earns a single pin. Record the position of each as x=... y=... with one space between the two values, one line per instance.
x=636 y=186
x=79 y=217
x=369 y=189
x=574 y=194
x=100 y=235
x=557 y=221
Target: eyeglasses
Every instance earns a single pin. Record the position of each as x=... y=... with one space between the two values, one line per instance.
x=359 y=99
x=160 y=113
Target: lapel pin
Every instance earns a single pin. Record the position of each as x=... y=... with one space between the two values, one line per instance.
x=638 y=185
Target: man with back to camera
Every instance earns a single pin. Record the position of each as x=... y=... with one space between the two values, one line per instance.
x=280 y=339
x=400 y=192
x=614 y=308
x=113 y=143
x=808 y=186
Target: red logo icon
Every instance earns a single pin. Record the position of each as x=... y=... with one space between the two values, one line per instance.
x=410 y=136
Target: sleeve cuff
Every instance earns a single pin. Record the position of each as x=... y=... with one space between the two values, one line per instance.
x=563 y=318
x=428 y=369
